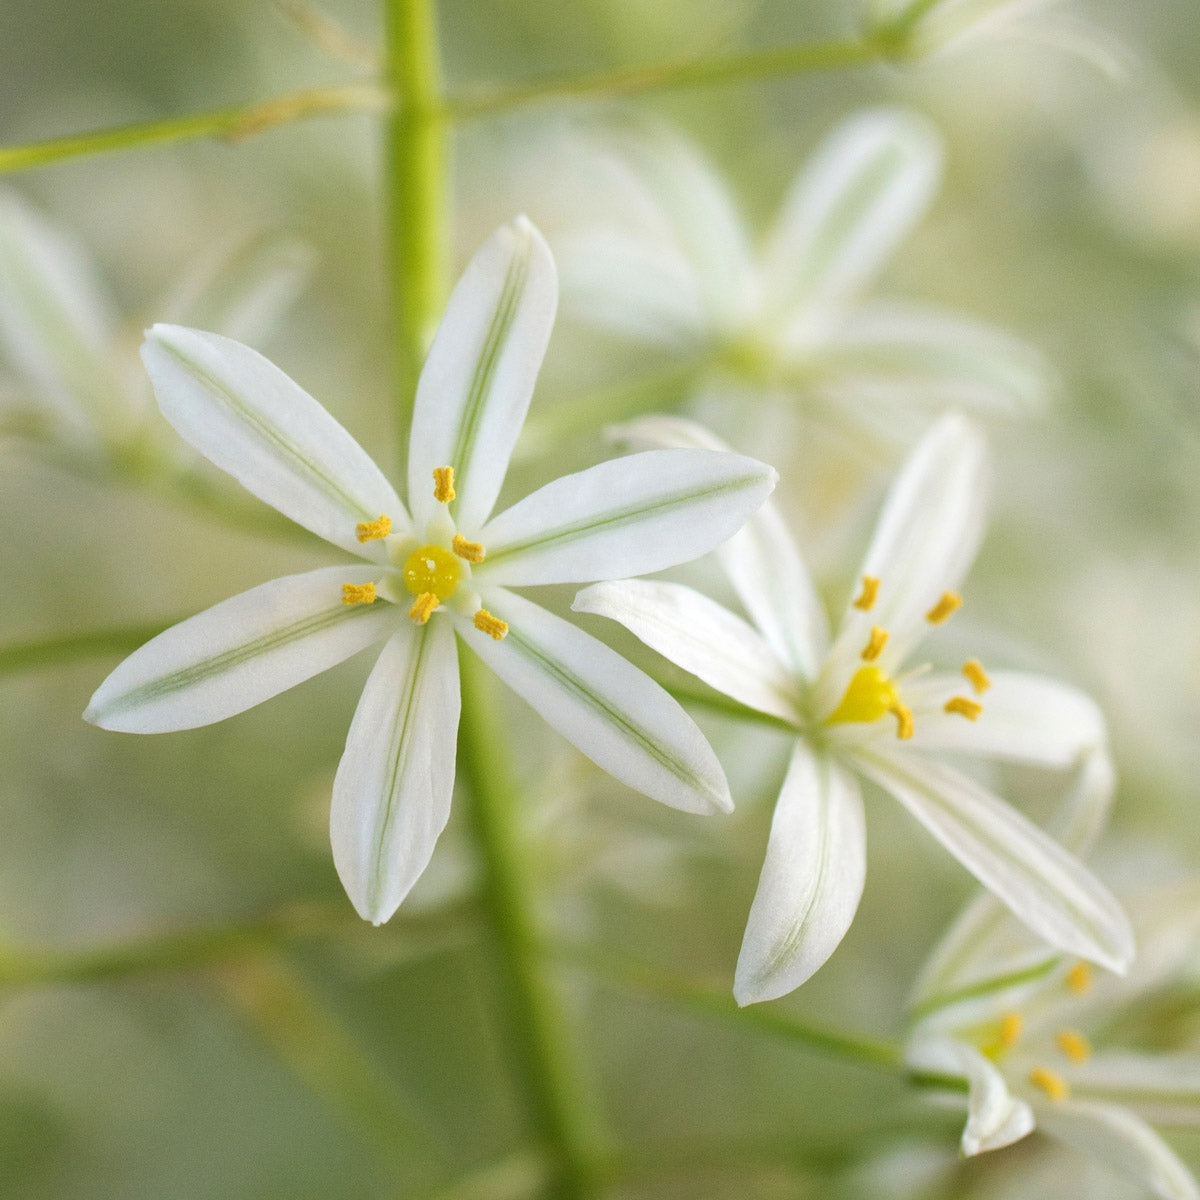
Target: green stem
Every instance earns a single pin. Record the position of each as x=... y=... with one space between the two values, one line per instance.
x=233 y=124
x=418 y=203
x=541 y=1054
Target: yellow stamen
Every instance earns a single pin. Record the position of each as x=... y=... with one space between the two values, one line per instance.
x=1050 y=1082
x=944 y=609
x=904 y=720
x=1074 y=1045
x=471 y=551
x=1079 y=978
x=423 y=608
x=372 y=531
x=443 y=484
x=963 y=707
x=977 y=677
x=874 y=648
x=492 y=626
x=432 y=568
x=869 y=594
x=1007 y=1034
x=358 y=593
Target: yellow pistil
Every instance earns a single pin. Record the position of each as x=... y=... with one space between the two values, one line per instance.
x=1050 y=1082
x=492 y=626
x=964 y=707
x=372 y=531
x=1073 y=1044
x=977 y=677
x=869 y=695
x=443 y=484
x=432 y=568
x=358 y=593
x=944 y=609
x=471 y=551
x=874 y=648
x=423 y=608
x=1079 y=978
x=870 y=592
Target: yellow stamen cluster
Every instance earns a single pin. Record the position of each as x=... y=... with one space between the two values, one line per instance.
x=492 y=626
x=443 y=484
x=473 y=552
x=869 y=594
x=423 y=608
x=373 y=531
x=1073 y=1044
x=977 y=677
x=358 y=593
x=1050 y=1082
x=1079 y=978
x=964 y=707
x=944 y=609
x=874 y=647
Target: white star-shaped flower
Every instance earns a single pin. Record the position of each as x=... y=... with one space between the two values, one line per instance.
x=440 y=567
x=860 y=711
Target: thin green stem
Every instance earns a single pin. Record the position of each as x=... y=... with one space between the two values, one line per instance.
x=542 y=1056
x=418 y=202
x=232 y=124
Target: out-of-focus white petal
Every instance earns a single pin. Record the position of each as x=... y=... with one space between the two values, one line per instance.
x=246 y=416
x=1124 y=1141
x=57 y=323
x=854 y=201
x=628 y=516
x=391 y=796
x=1163 y=1089
x=700 y=636
x=995 y=1117
x=811 y=881
x=1048 y=889
x=240 y=652
x=478 y=379
x=618 y=716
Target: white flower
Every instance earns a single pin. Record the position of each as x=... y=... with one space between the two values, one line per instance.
x=858 y=712
x=440 y=567
x=790 y=316
x=1028 y=1035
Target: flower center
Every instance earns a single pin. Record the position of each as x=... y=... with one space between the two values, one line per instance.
x=432 y=569
x=870 y=695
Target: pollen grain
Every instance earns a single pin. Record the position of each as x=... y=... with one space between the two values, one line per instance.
x=443 y=484
x=874 y=647
x=423 y=608
x=358 y=593
x=473 y=552
x=944 y=609
x=492 y=626
x=869 y=594
x=963 y=706
x=373 y=531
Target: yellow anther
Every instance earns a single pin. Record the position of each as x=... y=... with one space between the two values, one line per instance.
x=432 y=568
x=471 y=551
x=1050 y=1082
x=1079 y=977
x=372 y=531
x=874 y=648
x=944 y=609
x=492 y=626
x=904 y=720
x=870 y=592
x=1011 y=1025
x=423 y=608
x=443 y=484
x=964 y=707
x=977 y=677
x=358 y=593
x=1073 y=1044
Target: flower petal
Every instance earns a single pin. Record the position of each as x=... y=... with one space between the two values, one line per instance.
x=1048 y=889
x=618 y=716
x=246 y=416
x=391 y=796
x=1125 y=1142
x=867 y=185
x=477 y=382
x=700 y=636
x=240 y=652
x=1163 y=1088
x=811 y=881
x=995 y=1117
x=628 y=516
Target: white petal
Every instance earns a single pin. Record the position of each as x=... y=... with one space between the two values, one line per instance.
x=1048 y=889
x=811 y=881
x=618 y=716
x=629 y=516
x=240 y=652
x=246 y=416
x=477 y=382
x=926 y=538
x=700 y=636
x=1116 y=1137
x=995 y=1117
x=1162 y=1088
x=391 y=796
x=848 y=209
